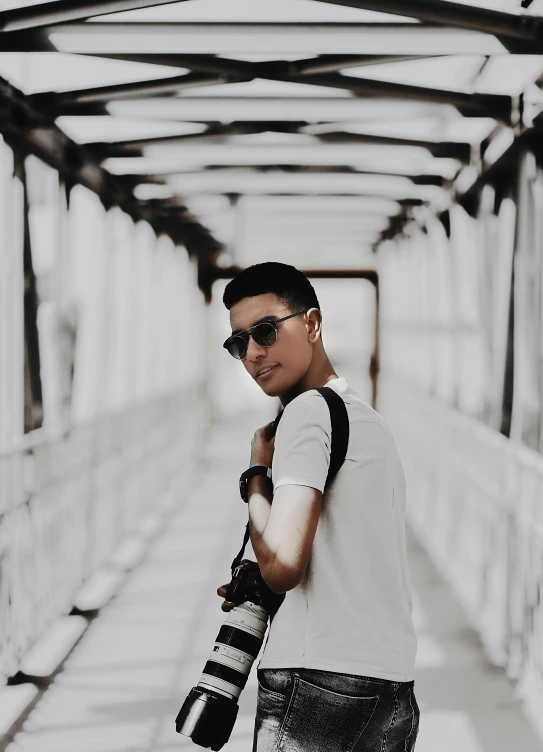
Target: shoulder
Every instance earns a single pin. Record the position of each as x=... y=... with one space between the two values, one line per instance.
x=308 y=408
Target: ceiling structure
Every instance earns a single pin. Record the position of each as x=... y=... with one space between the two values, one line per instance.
x=306 y=130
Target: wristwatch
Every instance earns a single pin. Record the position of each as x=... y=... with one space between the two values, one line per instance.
x=247 y=474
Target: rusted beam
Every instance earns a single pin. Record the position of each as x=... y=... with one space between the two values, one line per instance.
x=62 y=11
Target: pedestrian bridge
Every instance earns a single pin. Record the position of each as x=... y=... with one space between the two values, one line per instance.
x=151 y=150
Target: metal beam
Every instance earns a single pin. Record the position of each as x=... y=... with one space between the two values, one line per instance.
x=446 y=149
x=370 y=274
x=276 y=39
x=326 y=194
x=133 y=148
x=213 y=64
x=339 y=185
x=323 y=171
x=204 y=109
x=53 y=102
x=317 y=171
x=440 y=149
x=205 y=63
x=26 y=131
x=335 y=63
x=62 y=11
x=317 y=72
x=503 y=171
x=497 y=106
x=506 y=25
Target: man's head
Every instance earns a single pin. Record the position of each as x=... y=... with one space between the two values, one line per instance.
x=272 y=291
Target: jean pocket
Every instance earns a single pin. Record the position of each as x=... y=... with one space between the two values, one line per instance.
x=276 y=682
x=270 y=692
x=320 y=719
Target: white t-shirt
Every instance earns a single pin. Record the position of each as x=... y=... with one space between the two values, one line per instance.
x=351 y=613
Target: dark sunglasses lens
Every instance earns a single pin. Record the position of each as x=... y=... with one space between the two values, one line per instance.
x=237 y=347
x=265 y=334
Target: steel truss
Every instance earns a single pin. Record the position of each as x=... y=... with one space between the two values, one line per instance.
x=506 y=26
x=61 y=11
x=28 y=132
x=495 y=106
x=55 y=26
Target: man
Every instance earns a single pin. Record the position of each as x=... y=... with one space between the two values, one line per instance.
x=337 y=669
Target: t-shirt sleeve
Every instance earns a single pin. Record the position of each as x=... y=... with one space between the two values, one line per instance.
x=302 y=446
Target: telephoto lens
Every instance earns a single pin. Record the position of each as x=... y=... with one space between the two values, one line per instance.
x=209 y=713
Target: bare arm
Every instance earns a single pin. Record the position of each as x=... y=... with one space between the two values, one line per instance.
x=282 y=534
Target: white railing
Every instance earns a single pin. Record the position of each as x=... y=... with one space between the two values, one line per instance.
x=66 y=504
x=475 y=501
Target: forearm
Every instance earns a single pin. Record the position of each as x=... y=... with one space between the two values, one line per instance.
x=260 y=497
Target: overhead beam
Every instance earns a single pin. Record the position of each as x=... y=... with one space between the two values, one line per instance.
x=255 y=184
x=317 y=171
x=258 y=38
x=25 y=129
x=440 y=149
x=501 y=172
x=335 y=63
x=62 y=11
x=54 y=102
x=323 y=170
x=496 y=106
x=312 y=65
x=370 y=274
x=307 y=72
x=133 y=147
x=204 y=63
x=216 y=108
x=377 y=196
x=499 y=23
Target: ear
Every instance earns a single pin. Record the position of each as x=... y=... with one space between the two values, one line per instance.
x=314 y=324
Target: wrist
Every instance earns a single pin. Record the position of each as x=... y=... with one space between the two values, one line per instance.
x=256 y=460
x=247 y=475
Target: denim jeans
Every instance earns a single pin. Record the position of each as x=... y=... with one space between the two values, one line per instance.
x=308 y=710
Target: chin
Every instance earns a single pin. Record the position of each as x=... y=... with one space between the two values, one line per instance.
x=277 y=389
x=271 y=390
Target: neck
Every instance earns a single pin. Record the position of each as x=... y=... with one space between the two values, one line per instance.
x=318 y=374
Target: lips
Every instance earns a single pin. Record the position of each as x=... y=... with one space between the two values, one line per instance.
x=266 y=373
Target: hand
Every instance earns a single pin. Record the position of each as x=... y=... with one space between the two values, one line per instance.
x=262 y=445
x=226 y=605
x=221 y=591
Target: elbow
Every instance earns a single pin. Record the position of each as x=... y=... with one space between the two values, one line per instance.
x=282 y=579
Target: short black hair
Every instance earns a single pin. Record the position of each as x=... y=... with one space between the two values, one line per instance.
x=290 y=285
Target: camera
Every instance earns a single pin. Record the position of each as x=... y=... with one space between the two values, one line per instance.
x=210 y=710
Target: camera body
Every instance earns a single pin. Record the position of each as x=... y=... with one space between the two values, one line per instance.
x=210 y=709
x=247 y=584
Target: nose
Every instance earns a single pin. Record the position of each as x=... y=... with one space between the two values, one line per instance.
x=254 y=350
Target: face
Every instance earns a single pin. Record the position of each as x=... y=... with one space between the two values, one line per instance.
x=292 y=353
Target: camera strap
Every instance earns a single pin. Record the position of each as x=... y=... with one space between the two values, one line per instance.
x=340 y=441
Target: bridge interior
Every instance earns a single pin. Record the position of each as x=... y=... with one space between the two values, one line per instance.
x=149 y=151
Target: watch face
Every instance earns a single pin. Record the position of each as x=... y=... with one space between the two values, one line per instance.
x=243 y=489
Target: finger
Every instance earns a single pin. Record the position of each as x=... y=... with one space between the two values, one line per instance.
x=227 y=606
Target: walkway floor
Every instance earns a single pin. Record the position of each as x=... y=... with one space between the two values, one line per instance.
x=123 y=684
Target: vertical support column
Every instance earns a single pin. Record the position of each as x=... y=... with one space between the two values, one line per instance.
x=86 y=241
x=12 y=339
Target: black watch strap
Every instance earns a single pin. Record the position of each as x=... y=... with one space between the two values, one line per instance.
x=249 y=473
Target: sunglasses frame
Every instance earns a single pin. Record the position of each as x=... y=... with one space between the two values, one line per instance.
x=248 y=332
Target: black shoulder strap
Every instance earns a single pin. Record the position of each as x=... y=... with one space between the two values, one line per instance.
x=340 y=429
x=339 y=419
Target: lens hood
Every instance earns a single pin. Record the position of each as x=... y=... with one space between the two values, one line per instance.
x=207 y=718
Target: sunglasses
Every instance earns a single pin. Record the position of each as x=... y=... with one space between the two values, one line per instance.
x=264 y=334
